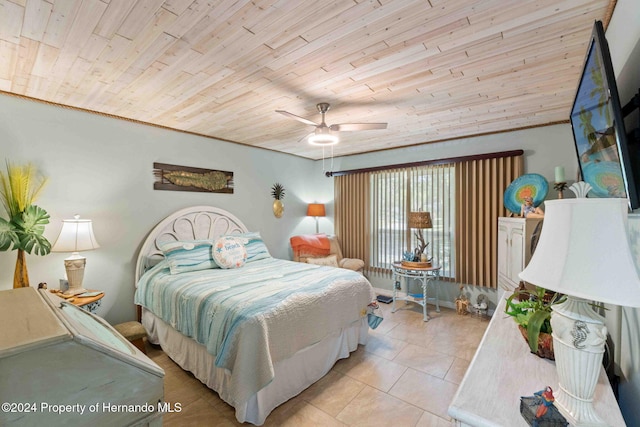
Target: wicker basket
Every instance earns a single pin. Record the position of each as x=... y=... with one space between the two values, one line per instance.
x=545 y=344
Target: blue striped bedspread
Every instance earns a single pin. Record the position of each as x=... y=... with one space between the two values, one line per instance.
x=253 y=316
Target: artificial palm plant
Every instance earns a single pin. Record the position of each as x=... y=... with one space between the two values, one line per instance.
x=23 y=229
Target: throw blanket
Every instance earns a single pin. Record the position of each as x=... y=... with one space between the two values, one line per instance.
x=254 y=316
x=311 y=244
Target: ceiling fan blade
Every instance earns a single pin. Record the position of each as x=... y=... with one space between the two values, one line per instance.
x=305 y=137
x=293 y=116
x=345 y=127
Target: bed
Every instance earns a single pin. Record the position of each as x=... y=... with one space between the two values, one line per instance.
x=257 y=334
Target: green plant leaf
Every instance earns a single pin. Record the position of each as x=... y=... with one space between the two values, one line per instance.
x=36 y=243
x=8 y=236
x=536 y=321
x=521 y=310
x=29 y=227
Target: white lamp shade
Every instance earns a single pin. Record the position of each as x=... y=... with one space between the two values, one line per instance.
x=584 y=252
x=76 y=235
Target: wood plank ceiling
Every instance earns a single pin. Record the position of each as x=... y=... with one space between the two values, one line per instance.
x=433 y=69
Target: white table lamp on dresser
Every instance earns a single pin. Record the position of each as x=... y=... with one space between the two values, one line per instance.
x=76 y=235
x=584 y=253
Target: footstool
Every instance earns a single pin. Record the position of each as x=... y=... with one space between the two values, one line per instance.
x=133 y=332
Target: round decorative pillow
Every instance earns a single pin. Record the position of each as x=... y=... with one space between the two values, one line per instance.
x=229 y=252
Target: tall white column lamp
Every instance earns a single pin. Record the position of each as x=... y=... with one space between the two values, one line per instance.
x=584 y=253
x=76 y=235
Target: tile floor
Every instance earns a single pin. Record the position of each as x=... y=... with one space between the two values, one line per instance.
x=405 y=376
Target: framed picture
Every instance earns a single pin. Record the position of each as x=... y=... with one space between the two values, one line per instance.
x=186 y=178
x=598 y=127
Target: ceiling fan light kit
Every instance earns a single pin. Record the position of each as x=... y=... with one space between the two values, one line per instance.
x=323 y=135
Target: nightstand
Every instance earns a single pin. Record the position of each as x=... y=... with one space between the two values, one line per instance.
x=90 y=303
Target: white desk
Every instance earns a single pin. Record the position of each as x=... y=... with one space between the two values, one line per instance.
x=425 y=276
x=503 y=370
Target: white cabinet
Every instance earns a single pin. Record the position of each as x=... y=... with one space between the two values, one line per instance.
x=514 y=249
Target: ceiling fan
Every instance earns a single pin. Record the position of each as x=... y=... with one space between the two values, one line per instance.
x=325 y=134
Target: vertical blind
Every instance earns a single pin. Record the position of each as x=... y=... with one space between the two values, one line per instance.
x=464 y=197
x=393 y=194
x=388 y=218
x=432 y=189
x=480 y=186
x=352 y=215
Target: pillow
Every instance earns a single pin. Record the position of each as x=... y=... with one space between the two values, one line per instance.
x=256 y=249
x=189 y=255
x=331 y=261
x=229 y=252
x=352 y=264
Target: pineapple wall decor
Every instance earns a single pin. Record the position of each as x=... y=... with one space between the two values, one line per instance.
x=185 y=178
x=277 y=191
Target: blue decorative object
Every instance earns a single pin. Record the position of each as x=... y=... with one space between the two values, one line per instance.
x=407 y=256
x=605 y=179
x=530 y=185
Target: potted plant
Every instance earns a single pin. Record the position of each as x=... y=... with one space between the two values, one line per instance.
x=532 y=313
x=23 y=229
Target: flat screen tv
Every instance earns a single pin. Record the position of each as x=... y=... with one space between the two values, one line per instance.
x=598 y=127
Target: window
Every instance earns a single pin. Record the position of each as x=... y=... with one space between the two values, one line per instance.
x=463 y=194
x=394 y=193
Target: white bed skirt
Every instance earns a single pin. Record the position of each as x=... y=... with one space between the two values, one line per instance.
x=292 y=375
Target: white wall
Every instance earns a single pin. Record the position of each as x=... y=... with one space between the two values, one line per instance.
x=101 y=168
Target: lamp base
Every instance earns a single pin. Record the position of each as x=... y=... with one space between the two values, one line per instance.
x=579 y=336
x=74 y=266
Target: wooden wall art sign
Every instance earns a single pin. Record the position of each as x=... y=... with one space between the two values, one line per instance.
x=185 y=178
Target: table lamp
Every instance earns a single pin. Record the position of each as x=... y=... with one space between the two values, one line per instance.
x=316 y=210
x=419 y=221
x=76 y=235
x=584 y=253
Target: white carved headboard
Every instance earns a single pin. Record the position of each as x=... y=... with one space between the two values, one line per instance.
x=194 y=223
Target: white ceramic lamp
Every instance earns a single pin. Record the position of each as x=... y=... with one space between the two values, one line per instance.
x=584 y=253
x=76 y=235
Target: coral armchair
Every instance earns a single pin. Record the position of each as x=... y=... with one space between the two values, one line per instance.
x=324 y=250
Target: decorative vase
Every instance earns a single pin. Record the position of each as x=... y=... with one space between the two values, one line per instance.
x=20 y=276
x=545 y=344
x=278 y=208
